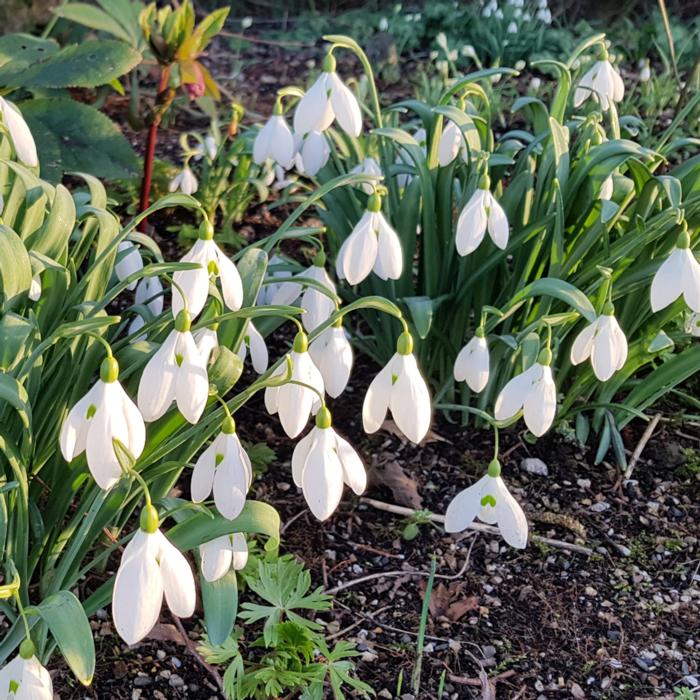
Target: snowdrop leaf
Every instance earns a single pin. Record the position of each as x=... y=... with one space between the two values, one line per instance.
x=220 y=602
x=15 y=268
x=422 y=310
x=559 y=289
x=65 y=617
x=225 y=370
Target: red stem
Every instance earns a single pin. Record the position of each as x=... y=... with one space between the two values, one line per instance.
x=145 y=198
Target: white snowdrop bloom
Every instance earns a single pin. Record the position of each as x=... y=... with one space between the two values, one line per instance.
x=206 y=340
x=383 y=24
x=24 y=678
x=373 y=245
x=368 y=166
x=328 y=99
x=211 y=148
x=176 y=372
x=313 y=153
x=535 y=84
x=498 y=13
x=224 y=468
x=294 y=402
x=275 y=140
x=322 y=461
x=150 y=567
x=532 y=391
x=128 y=262
x=512 y=28
x=472 y=363
x=332 y=354
x=253 y=341
x=481 y=213
x=19 y=133
x=149 y=291
x=317 y=305
x=401 y=389
x=222 y=554
x=137 y=323
x=34 y=293
x=645 y=71
x=604 y=342
x=104 y=414
x=692 y=325
x=606 y=189
x=246 y=23
x=602 y=83
x=267 y=291
x=544 y=15
x=195 y=283
x=185 y=182
x=468 y=51
x=451 y=141
x=487 y=11
x=490 y=501
x=678 y=274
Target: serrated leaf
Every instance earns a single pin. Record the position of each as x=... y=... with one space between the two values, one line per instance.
x=19 y=51
x=92 y=17
x=89 y=64
x=87 y=140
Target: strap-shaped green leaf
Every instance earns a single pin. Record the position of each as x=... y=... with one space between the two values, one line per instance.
x=220 y=602
x=15 y=268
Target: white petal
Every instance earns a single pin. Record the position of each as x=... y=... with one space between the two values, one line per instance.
x=128 y=262
x=410 y=401
x=464 y=507
x=178 y=581
x=376 y=402
x=540 y=405
x=314 y=152
x=513 y=394
x=345 y=106
x=21 y=136
x=206 y=341
x=497 y=223
x=358 y=253
x=150 y=291
x=262 y=146
x=450 y=140
x=354 y=474
x=300 y=455
x=216 y=557
x=389 y=263
x=231 y=284
x=322 y=479
x=191 y=381
x=75 y=425
x=334 y=360
x=666 y=286
x=193 y=283
x=231 y=479
x=134 y=420
x=36 y=682
x=258 y=349
x=510 y=517
x=581 y=349
x=203 y=472
x=138 y=589
x=239 y=548
x=157 y=386
x=691 y=279
x=604 y=350
x=282 y=143
x=471 y=225
x=314 y=111
x=472 y=364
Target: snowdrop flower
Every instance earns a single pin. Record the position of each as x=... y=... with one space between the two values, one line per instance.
x=472 y=363
x=275 y=140
x=246 y=23
x=481 y=213
x=498 y=13
x=253 y=341
x=692 y=325
x=678 y=274
x=176 y=372
x=400 y=388
x=602 y=83
x=19 y=132
x=317 y=305
x=224 y=468
x=604 y=342
x=185 y=181
x=195 y=283
x=544 y=15
x=321 y=463
x=606 y=189
x=368 y=166
x=268 y=291
x=332 y=354
x=150 y=567
x=313 y=153
x=535 y=84
x=383 y=24
x=206 y=340
x=128 y=262
x=512 y=28
x=328 y=99
x=532 y=391
x=451 y=140
x=294 y=402
x=372 y=246
x=222 y=554
x=468 y=51
x=24 y=678
x=645 y=71
x=490 y=501
x=150 y=292
x=208 y=147
x=104 y=414
x=34 y=293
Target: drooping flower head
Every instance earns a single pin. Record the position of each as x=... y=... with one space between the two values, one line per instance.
x=481 y=213
x=678 y=275
x=490 y=501
x=368 y=166
x=24 y=678
x=275 y=140
x=472 y=363
x=332 y=354
x=185 y=181
x=220 y=555
x=601 y=83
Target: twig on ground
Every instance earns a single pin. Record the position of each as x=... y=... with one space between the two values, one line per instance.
x=651 y=427
x=293 y=519
x=192 y=649
x=478 y=527
x=461 y=680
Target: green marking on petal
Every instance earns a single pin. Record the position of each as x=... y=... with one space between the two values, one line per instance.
x=92 y=410
x=178 y=359
x=218 y=459
x=488 y=500
x=213 y=268
x=394 y=378
x=14 y=687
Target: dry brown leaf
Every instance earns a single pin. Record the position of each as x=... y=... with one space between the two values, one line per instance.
x=451 y=602
x=166 y=633
x=403 y=487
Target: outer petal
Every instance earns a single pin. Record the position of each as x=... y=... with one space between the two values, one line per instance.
x=194 y=283
x=314 y=152
x=258 y=349
x=409 y=400
x=354 y=474
x=309 y=374
x=473 y=365
x=471 y=225
x=376 y=402
x=75 y=425
x=203 y=472
x=206 y=341
x=282 y=143
x=314 y=111
x=150 y=291
x=239 y=548
x=36 y=682
x=318 y=306
x=334 y=359
x=513 y=394
x=621 y=346
x=604 y=350
x=21 y=136
x=581 y=349
x=178 y=581
x=389 y=263
x=129 y=261
x=322 y=479
x=464 y=507
x=10 y=672
x=134 y=421
x=231 y=480
x=691 y=279
x=138 y=589
x=345 y=106
x=157 y=386
x=497 y=223
x=216 y=557
x=666 y=286
x=510 y=517
x=231 y=284
x=300 y=455
x=450 y=140
x=358 y=253
x=191 y=382
x=262 y=146
x=541 y=403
